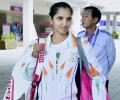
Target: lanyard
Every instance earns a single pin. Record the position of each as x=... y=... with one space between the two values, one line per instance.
x=91 y=37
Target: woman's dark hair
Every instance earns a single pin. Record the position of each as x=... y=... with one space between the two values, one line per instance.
x=54 y=8
x=95 y=12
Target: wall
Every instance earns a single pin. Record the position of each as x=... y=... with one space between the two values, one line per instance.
x=39 y=7
x=4 y=5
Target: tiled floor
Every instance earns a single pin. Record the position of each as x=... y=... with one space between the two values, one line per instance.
x=6 y=65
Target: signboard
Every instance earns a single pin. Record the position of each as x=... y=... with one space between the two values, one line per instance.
x=16 y=8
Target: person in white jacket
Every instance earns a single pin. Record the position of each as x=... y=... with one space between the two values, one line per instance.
x=61 y=57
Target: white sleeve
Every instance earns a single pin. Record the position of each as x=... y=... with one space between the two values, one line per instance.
x=30 y=62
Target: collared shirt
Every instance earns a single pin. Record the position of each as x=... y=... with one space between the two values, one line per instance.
x=104 y=48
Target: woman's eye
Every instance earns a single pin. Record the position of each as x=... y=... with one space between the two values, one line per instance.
x=69 y=19
x=60 y=18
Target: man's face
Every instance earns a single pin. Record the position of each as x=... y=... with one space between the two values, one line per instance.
x=87 y=19
x=61 y=22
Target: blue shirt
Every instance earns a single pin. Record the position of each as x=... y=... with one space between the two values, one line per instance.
x=104 y=48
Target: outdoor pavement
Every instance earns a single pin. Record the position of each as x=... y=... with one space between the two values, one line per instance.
x=114 y=76
x=6 y=68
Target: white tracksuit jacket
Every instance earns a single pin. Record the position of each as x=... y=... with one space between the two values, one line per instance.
x=58 y=70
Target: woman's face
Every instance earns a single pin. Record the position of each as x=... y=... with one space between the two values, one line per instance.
x=61 y=21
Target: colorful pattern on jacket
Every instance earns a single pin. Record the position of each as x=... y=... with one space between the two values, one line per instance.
x=58 y=70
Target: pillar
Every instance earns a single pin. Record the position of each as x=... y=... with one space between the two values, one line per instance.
x=114 y=22
x=29 y=32
x=107 y=22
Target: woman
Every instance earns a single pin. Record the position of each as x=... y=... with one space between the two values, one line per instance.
x=61 y=57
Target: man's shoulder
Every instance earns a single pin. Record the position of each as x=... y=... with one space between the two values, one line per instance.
x=105 y=35
x=104 y=32
x=81 y=33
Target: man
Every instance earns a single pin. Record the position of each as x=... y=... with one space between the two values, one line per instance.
x=100 y=40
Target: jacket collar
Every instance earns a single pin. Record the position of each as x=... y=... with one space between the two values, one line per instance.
x=70 y=40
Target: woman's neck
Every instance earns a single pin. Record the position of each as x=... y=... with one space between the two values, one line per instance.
x=90 y=31
x=58 y=38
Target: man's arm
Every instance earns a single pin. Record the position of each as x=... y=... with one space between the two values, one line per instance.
x=111 y=51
